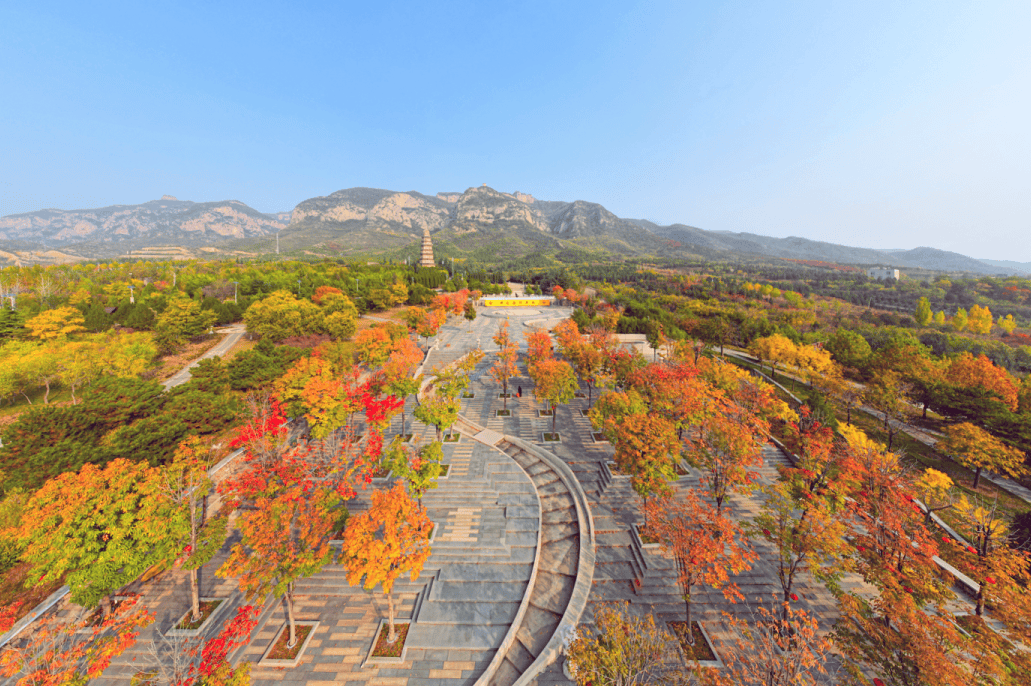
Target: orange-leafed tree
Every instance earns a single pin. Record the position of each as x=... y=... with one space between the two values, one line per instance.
x=554 y=383
x=980 y=373
x=56 y=651
x=284 y=533
x=389 y=539
x=505 y=368
x=538 y=344
x=646 y=448
x=397 y=373
x=567 y=334
x=372 y=346
x=589 y=363
x=91 y=527
x=976 y=449
x=322 y=291
x=707 y=547
x=325 y=395
x=775 y=648
x=727 y=451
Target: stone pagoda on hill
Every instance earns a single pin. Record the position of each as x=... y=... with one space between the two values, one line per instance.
x=427 y=250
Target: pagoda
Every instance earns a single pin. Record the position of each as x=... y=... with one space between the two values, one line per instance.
x=427 y=250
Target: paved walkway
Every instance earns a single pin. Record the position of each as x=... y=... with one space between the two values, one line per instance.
x=235 y=333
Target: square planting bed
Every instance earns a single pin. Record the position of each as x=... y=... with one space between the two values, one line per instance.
x=543 y=413
x=614 y=470
x=444 y=474
x=210 y=608
x=585 y=413
x=599 y=437
x=406 y=438
x=646 y=542
x=579 y=394
x=702 y=650
x=377 y=655
x=278 y=655
x=548 y=437
x=453 y=437
x=502 y=413
x=380 y=474
x=468 y=394
x=504 y=395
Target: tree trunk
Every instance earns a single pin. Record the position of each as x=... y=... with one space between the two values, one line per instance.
x=288 y=600
x=977 y=477
x=440 y=434
x=848 y=415
x=590 y=397
x=504 y=394
x=554 y=416
x=194 y=596
x=46 y=396
x=979 y=608
x=687 y=612
x=403 y=434
x=392 y=633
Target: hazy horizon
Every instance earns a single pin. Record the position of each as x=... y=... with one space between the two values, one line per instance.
x=860 y=125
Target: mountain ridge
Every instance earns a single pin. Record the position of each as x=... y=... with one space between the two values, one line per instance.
x=479 y=222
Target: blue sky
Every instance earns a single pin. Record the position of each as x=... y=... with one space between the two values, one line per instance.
x=879 y=124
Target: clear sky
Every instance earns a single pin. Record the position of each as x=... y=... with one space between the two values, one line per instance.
x=878 y=124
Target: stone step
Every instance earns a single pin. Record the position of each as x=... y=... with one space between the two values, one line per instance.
x=536 y=629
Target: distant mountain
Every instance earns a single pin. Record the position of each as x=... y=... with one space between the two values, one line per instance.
x=1020 y=267
x=166 y=221
x=480 y=222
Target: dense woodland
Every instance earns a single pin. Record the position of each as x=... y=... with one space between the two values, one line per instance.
x=83 y=350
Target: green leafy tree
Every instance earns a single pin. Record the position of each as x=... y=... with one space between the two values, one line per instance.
x=181 y=320
x=923 y=312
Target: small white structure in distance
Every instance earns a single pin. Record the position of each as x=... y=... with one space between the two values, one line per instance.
x=882 y=273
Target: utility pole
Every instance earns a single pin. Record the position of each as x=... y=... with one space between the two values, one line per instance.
x=277 y=242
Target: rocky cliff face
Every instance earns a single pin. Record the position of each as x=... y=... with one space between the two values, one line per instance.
x=166 y=220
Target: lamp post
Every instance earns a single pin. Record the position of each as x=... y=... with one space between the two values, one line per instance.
x=236 y=292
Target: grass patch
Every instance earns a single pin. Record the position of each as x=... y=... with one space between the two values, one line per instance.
x=384 y=649
x=599 y=437
x=552 y=438
x=467 y=394
x=700 y=649
x=280 y=651
x=446 y=468
x=452 y=437
x=544 y=413
x=207 y=608
x=503 y=413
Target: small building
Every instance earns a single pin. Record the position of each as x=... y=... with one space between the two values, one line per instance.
x=518 y=301
x=882 y=273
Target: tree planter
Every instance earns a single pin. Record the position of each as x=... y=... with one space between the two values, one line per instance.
x=502 y=413
x=452 y=437
x=703 y=650
x=585 y=413
x=644 y=541
x=406 y=438
x=381 y=474
x=215 y=606
x=443 y=475
x=548 y=437
x=578 y=394
x=468 y=394
x=544 y=413
x=504 y=395
x=296 y=653
x=433 y=531
x=373 y=659
x=599 y=437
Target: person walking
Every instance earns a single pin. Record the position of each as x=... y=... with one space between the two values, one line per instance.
x=519 y=392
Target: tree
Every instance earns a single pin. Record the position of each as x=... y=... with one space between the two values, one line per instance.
x=285 y=531
x=181 y=320
x=397 y=370
x=969 y=372
x=939 y=318
x=849 y=348
x=886 y=393
x=56 y=324
x=372 y=346
x=470 y=311
x=589 y=362
x=704 y=544
x=923 y=312
x=281 y=315
x=623 y=650
x=505 y=368
x=1007 y=323
x=389 y=539
x=73 y=652
x=936 y=491
x=959 y=320
x=776 y=349
x=976 y=449
x=554 y=383
x=775 y=648
x=184 y=486
x=326 y=396
x=806 y=532
x=726 y=450
x=980 y=320
x=418 y=469
x=94 y=526
x=538 y=344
